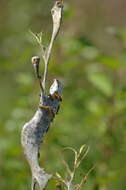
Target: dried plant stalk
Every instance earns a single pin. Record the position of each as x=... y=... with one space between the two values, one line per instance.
x=33 y=131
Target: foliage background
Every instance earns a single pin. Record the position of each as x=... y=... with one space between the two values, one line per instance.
x=89 y=57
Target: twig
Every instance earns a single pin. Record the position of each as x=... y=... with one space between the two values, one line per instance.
x=56 y=13
x=56 y=16
x=35 y=61
x=84 y=179
x=79 y=156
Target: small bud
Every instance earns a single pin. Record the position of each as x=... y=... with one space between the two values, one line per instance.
x=35 y=61
x=59 y=3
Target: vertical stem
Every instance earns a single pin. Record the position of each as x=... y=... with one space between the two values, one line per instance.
x=56 y=12
x=46 y=60
x=33 y=184
x=45 y=75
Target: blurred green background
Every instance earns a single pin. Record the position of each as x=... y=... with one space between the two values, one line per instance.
x=89 y=57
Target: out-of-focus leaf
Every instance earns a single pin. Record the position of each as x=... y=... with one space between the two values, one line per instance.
x=24 y=79
x=90 y=53
x=101 y=82
x=68 y=12
x=94 y=107
x=111 y=62
x=72 y=46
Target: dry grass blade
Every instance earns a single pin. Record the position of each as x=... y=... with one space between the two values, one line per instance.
x=83 y=157
x=82 y=148
x=59 y=178
x=66 y=166
x=83 y=181
x=38 y=37
x=75 y=154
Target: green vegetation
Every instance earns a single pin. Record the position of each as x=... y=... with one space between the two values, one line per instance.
x=89 y=58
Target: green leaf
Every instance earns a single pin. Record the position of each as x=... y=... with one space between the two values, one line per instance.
x=25 y=79
x=101 y=82
x=111 y=62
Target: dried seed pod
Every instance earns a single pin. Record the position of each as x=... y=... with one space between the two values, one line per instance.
x=56 y=12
